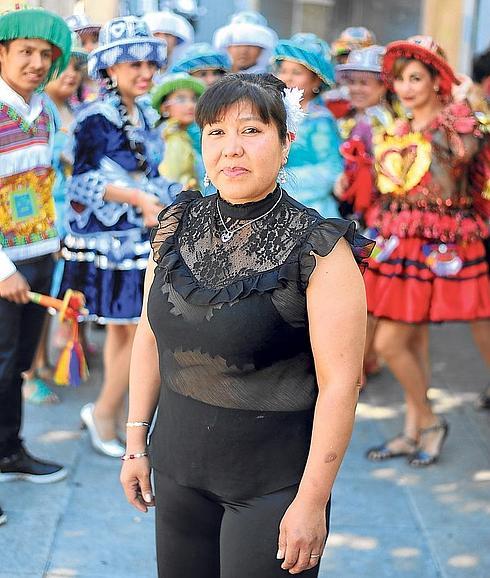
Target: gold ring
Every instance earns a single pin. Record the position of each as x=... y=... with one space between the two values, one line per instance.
x=315 y=556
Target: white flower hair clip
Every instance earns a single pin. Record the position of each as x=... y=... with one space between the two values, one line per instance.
x=294 y=113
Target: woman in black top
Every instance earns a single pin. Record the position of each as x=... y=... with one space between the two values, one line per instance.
x=251 y=343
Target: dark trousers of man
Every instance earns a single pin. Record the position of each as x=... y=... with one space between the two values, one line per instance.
x=20 y=329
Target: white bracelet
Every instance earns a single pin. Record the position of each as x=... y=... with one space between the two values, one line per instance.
x=137 y=424
x=134 y=456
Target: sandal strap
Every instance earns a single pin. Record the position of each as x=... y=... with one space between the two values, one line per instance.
x=442 y=425
x=410 y=441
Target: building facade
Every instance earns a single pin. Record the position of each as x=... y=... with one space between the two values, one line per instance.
x=460 y=26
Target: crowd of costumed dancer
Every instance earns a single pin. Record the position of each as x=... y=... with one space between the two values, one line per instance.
x=390 y=137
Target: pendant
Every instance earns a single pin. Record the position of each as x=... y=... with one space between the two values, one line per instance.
x=226 y=236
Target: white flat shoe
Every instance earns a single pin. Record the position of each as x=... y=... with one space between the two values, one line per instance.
x=112 y=448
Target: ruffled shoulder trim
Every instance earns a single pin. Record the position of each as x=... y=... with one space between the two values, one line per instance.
x=319 y=238
x=103 y=107
x=323 y=239
x=150 y=115
x=163 y=235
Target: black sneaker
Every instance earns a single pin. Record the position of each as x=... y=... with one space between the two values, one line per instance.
x=3 y=516
x=22 y=466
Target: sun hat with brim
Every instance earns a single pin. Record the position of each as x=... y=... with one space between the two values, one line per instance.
x=38 y=23
x=172 y=82
x=368 y=59
x=168 y=22
x=247 y=28
x=353 y=38
x=125 y=39
x=310 y=51
x=424 y=49
x=80 y=24
x=202 y=56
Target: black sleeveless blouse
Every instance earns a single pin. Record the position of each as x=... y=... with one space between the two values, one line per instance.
x=238 y=384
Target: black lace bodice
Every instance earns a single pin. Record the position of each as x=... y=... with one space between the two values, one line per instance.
x=230 y=317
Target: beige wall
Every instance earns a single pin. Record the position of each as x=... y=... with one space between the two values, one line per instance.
x=443 y=20
x=100 y=11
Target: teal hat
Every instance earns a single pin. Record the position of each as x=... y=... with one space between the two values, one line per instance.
x=202 y=56
x=41 y=24
x=310 y=51
x=172 y=82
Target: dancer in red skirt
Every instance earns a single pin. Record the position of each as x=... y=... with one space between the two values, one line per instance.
x=429 y=221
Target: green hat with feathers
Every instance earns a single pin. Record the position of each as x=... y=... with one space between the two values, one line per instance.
x=26 y=22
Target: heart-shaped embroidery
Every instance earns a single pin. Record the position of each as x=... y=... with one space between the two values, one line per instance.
x=118 y=29
x=401 y=162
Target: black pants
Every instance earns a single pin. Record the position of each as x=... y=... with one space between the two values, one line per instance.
x=20 y=329
x=201 y=535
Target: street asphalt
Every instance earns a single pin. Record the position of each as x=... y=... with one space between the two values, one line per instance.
x=388 y=520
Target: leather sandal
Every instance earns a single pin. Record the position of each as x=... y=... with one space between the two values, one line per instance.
x=383 y=452
x=420 y=458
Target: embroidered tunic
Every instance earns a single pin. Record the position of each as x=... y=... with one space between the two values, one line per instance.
x=27 y=216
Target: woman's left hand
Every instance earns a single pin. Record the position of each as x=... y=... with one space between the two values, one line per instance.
x=302 y=535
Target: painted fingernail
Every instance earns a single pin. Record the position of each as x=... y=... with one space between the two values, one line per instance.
x=280 y=554
x=148 y=498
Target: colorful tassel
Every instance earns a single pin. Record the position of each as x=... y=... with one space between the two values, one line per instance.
x=72 y=368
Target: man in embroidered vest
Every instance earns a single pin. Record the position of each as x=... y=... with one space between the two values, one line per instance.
x=34 y=48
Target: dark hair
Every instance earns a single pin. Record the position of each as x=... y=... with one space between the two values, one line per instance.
x=137 y=148
x=401 y=63
x=263 y=91
x=481 y=67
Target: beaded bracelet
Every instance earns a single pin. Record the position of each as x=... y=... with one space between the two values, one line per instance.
x=137 y=424
x=134 y=456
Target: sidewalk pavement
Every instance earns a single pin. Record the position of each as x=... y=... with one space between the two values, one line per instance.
x=388 y=520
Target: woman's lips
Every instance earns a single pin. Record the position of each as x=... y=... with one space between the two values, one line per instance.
x=234 y=171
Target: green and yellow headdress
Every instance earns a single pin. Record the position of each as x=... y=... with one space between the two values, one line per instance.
x=22 y=21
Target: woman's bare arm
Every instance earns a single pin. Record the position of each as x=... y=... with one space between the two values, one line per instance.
x=337 y=322
x=144 y=374
x=144 y=387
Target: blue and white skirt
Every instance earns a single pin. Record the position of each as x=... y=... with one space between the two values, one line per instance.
x=109 y=269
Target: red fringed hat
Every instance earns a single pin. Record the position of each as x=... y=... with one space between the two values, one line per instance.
x=422 y=48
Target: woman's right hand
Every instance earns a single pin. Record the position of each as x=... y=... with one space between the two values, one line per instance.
x=136 y=483
x=150 y=208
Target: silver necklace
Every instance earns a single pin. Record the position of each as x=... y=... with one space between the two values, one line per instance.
x=228 y=234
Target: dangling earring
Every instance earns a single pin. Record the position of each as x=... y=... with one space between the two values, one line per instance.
x=206 y=180
x=316 y=90
x=281 y=175
x=112 y=82
x=436 y=88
